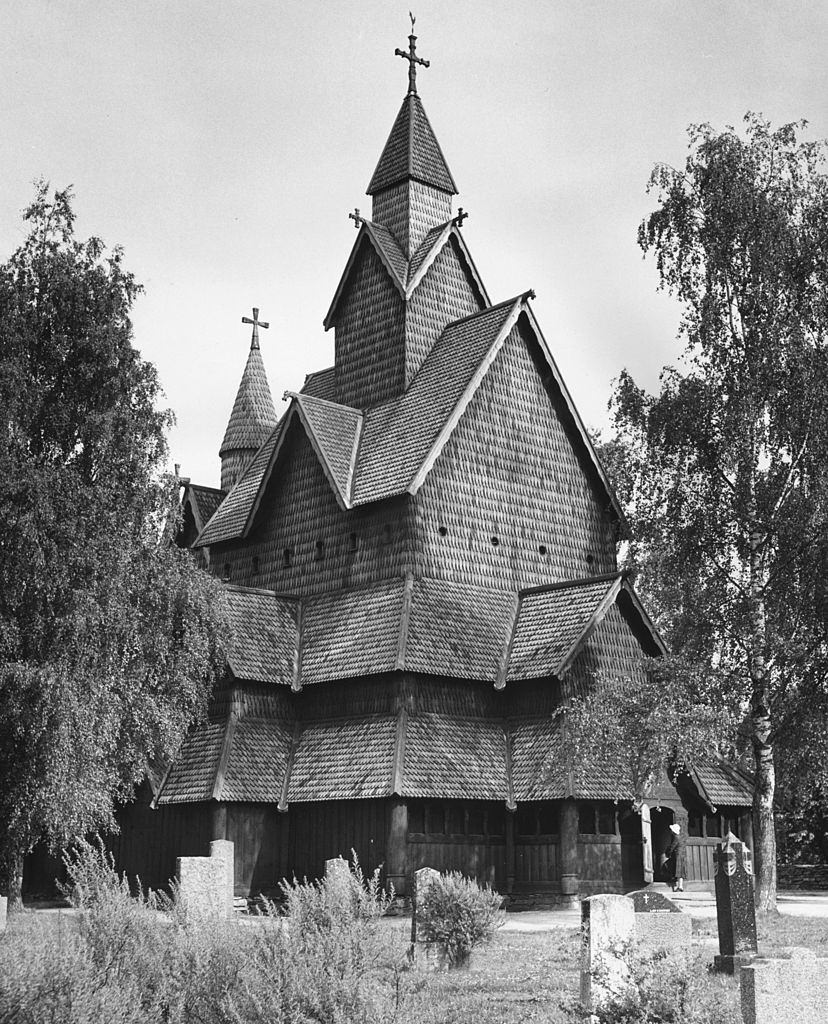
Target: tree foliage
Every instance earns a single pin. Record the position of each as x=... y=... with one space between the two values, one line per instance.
x=110 y=636
x=723 y=472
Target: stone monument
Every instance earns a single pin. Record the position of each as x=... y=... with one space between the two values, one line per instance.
x=338 y=875
x=735 y=910
x=607 y=940
x=659 y=923
x=424 y=955
x=793 y=990
x=206 y=883
x=4 y=906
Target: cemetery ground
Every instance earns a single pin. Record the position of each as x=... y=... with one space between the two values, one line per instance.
x=528 y=973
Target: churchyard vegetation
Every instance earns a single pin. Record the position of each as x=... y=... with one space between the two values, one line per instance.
x=724 y=472
x=110 y=637
x=457 y=915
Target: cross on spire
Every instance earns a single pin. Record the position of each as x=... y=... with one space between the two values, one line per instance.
x=257 y=323
x=412 y=58
x=355 y=217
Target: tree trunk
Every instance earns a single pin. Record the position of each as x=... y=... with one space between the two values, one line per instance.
x=764 y=786
x=14 y=878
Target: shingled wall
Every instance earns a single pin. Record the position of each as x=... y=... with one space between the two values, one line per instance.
x=500 y=476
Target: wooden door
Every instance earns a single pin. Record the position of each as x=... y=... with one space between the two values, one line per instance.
x=646 y=843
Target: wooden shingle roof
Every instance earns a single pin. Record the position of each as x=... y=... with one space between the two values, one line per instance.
x=412 y=152
x=254 y=414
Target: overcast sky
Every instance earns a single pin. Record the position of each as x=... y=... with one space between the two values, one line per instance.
x=222 y=144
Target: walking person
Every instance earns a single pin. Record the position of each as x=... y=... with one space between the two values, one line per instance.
x=676 y=857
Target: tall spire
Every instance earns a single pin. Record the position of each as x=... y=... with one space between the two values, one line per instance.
x=253 y=416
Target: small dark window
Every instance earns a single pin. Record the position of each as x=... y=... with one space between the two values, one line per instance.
x=434 y=819
x=353 y=542
x=416 y=816
x=695 y=826
x=586 y=819
x=590 y=558
x=713 y=825
x=606 y=819
x=542 y=549
x=386 y=533
x=225 y=573
x=495 y=541
x=496 y=820
x=455 y=819
x=442 y=531
x=255 y=565
x=475 y=824
x=320 y=550
x=287 y=557
x=548 y=819
x=527 y=823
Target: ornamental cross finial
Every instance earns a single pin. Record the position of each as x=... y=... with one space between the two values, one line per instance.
x=355 y=217
x=257 y=323
x=412 y=58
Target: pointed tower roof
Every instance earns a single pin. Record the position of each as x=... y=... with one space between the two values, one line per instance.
x=412 y=151
x=254 y=414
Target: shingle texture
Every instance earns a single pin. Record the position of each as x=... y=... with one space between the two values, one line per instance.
x=206 y=500
x=257 y=762
x=724 y=785
x=264 y=636
x=348 y=760
x=412 y=151
x=254 y=415
x=335 y=429
x=193 y=772
x=549 y=625
x=454 y=758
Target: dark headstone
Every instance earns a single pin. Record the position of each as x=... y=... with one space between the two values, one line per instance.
x=648 y=902
x=735 y=911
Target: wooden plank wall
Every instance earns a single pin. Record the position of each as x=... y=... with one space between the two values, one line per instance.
x=700 y=859
x=599 y=859
x=537 y=861
x=484 y=861
x=270 y=845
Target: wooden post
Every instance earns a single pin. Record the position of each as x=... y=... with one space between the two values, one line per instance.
x=510 y=851
x=396 y=851
x=569 y=851
x=218 y=821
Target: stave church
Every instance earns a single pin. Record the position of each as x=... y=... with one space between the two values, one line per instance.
x=420 y=564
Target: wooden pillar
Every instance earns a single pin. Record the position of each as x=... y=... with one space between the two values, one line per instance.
x=510 y=851
x=396 y=849
x=218 y=821
x=569 y=851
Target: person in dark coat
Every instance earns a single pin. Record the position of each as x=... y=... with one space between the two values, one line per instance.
x=676 y=857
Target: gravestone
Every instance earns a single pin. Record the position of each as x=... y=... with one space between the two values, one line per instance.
x=338 y=876
x=4 y=906
x=659 y=923
x=607 y=940
x=735 y=911
x=206 y=883
x=793 y=990
x=424 y=954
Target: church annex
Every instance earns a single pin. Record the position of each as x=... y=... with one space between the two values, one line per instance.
x=420 y=562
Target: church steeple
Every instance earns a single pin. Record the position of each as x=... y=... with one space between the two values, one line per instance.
x=253 y=416
x=412 y=185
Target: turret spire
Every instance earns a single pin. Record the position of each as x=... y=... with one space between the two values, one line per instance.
x=412 y=58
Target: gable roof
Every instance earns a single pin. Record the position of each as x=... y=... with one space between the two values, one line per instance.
x=420 y=625
x=405 y=274
x=390 y=448
x=203 y=501
x=412 y=151
x=254 y=414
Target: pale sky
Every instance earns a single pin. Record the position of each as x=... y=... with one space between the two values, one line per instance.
x=223 y=144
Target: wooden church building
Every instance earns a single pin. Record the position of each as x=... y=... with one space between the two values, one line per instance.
x=420 y=562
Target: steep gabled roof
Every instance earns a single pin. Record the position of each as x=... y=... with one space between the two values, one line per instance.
x=412 y=151
x=389 y=449
x=405 y=274
x=203 y=501
x=254 y=414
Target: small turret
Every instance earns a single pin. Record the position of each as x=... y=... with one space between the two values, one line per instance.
x=253 y=416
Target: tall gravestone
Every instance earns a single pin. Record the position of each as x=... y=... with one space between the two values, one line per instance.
x=735 y=910
x=607 y=939
x=206 y=883
x=422 y=953
x=4 y=904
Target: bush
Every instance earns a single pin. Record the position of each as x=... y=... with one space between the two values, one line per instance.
x=141 y=959
x=456 y=914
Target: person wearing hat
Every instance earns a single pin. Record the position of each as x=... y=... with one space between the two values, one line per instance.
x=675 y=854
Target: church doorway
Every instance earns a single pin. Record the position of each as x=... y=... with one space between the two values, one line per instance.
x=661 y=819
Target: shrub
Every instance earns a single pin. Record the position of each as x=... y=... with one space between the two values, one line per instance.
x=456 y=914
